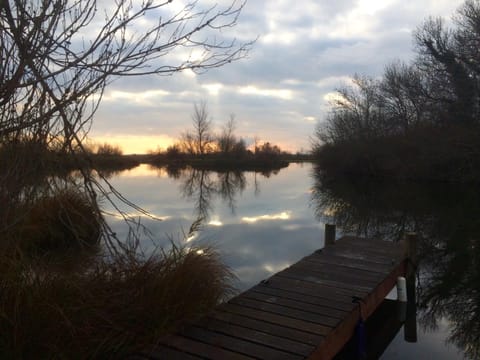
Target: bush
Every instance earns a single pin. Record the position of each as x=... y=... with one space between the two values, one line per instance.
x=57 y=221
x=174 y=153
x=109 y=150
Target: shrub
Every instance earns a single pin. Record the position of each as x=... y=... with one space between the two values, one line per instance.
x=57 y=221
x=109 y=150
x=174 y=153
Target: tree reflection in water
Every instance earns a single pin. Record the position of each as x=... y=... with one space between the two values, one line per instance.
x=445 y=217
x=203 y=186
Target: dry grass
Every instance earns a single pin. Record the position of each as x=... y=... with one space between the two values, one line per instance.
x=115 y=307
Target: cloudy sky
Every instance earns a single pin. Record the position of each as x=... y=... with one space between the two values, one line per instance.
x=305 y=50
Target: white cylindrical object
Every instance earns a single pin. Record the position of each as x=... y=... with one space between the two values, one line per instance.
x=401 y=289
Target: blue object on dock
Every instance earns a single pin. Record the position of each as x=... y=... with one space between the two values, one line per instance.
x=361 y=340
x=360 y=332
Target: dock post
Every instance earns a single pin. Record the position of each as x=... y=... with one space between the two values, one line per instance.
x=330 y=234
x=411 y=249
x=410 y=326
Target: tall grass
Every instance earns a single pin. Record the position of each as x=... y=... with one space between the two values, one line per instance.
x=115 y=307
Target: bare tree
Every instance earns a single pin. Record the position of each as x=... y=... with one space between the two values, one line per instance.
x=356 y=113
x=57 y=56
x=445 y=56
x=226 y=140
x=200 y=140
x=404 y=93
x=202 y=128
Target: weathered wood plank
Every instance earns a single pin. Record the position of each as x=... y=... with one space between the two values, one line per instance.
x=255 y=336
x=370 y=251
x=203 y=350
x=277 y=319
x=309 y=288
x=351 y=286
x=373 y=247
x=237 y=345
x=294 y=304
x=336 y=268
x=338 y=273
x=161 y=352
x=353 y=254
x=269 y=328
x=349 y=263
x=304 y=298
x=286 y=311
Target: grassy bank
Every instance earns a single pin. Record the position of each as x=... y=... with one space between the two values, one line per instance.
x=61 y=296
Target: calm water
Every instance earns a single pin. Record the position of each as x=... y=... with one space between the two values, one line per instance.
x=262 y=223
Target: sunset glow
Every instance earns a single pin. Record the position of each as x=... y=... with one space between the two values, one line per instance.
x=134 y=144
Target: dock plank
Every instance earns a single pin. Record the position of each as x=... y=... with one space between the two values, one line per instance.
x=160 y=352
x=338 y=273
x=287 y=311
x=333 y=269
x=350 y=285
x=304 y=298
x=349 y=263
x=255 y=336
x=237 y=345
x=343 y=296
x=269 y=328
x=295 y=304
x=346 y=252
x=286 y=321
x=207 y=351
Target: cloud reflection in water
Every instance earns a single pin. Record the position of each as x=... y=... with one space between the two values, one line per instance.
x=254 y=246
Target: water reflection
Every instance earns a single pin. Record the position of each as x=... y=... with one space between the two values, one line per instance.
x=445 y=217
x=260 y=222
x=201 y=187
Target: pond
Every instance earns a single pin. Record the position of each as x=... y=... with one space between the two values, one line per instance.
x=263 y=222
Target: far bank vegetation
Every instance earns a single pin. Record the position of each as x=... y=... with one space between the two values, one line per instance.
x=201 y=146
x=420 y=120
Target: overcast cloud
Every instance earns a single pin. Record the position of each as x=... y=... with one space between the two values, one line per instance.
x=305 y=50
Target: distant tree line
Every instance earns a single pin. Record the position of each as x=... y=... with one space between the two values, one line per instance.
x=437 y=95
x=202 y=143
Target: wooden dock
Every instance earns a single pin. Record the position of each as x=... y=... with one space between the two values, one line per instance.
x=306 y=311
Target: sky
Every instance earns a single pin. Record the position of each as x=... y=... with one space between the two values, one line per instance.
x=305 y=51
